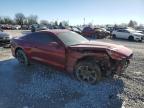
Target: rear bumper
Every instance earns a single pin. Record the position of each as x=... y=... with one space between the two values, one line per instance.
x=4 y=42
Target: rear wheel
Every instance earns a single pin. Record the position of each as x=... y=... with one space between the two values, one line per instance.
x=131 y=38
x=114 y=36
x=88 y=71
x=21 y=57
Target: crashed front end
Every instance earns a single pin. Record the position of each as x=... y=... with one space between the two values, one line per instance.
x=120 y=59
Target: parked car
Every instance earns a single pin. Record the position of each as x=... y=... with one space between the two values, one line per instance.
x=16 y=27
x=88 y=32
x=37 y=27
x=6 y=27
x=142 y=30
x=101 y=33
x=1 y=30
x=88 y=61
x=75 y=29
x=4 y=38
x=95 y=33
x=129 y=34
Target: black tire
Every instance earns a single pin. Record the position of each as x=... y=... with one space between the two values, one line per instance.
x=87 y=71
x=21 y=57
x=114 y=36
x=140 y=41
x=131 y=38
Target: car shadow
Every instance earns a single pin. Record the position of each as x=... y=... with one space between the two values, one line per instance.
x=41 y=86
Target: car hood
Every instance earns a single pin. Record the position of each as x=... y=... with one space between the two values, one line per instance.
x=97 y=45
x=138 y=33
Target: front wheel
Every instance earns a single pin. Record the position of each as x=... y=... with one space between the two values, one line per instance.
x=21 y=57
x=114 y=36
x=88 y=71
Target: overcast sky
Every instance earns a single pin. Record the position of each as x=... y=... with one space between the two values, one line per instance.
x=74 y=11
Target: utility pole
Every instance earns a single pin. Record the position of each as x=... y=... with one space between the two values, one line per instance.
x=84 y=21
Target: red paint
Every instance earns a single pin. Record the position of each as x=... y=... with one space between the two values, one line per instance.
x=65 y=57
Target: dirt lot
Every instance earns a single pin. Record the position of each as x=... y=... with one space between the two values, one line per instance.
x=39 y=86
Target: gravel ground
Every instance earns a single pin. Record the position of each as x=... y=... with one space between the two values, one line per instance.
x=39 y=86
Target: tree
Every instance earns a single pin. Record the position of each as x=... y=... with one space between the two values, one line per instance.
x=65 y=23
x=61 y=25
x=20 y=18
x=1 y=20
x=56 y=23
x=8 y=20
x=32 y=19
x=44 y=22
x=132 y=24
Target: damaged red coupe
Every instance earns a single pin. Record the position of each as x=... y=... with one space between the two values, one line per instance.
x=88 y=61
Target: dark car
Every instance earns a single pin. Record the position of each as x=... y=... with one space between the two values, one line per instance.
x=37 y=27
x=5 y=39
x=95 y=33
x=1 y=30
x=88 y=32
x=101 y=33
x=88 y=61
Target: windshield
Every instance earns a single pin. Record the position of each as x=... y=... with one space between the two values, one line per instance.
x=131 y=30
x=71 y=38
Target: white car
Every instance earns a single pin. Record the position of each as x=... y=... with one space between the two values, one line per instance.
x=128 y=34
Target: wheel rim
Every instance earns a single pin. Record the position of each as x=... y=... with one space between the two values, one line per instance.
x=20 y=57
x=86 y=74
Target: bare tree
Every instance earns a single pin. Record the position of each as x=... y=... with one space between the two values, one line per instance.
x=132 y=24
x=32 y=19
x=20 y=18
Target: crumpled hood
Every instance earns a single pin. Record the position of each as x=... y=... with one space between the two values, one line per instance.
x=97 y=45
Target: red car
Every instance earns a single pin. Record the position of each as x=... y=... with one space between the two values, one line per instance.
x=88 y=61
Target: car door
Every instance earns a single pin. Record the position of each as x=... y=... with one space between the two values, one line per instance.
x=48 y=49
x=125 y=34
x=119 y=33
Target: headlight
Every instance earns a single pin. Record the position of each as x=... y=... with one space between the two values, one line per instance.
x=115 y=55
x=138 y=35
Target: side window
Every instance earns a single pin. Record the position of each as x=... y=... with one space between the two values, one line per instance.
x=28 y=37
x=126 y=31
x=44 y=38
x=120 y=31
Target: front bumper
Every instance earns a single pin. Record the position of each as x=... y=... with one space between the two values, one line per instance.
x=119 y=66
x=122 y=66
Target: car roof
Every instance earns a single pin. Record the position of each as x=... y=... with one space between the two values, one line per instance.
x=55 y=31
